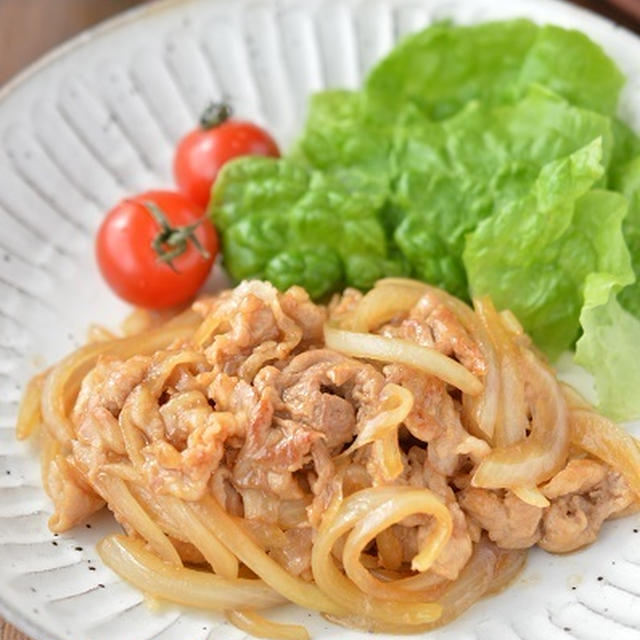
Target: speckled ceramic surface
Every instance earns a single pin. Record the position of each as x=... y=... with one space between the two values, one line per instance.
x=98 y=119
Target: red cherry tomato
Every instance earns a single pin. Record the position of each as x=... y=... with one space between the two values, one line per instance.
x=155 y=250
x=203 y=152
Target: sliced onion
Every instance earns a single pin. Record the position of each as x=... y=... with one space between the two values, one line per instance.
x=374 y=347
x=231 y=534
x=293 y=513
x=163 y=365
x=49 y=450
x=409 y=283
x=396 y=404
x=472 y=583
x=386 y=451
x=607 y=441
x=120 y=500
x=221 y=560
x=512 y=422
x=430 y=585
x=509 y=565
x=258 y=626
x=511 y=323
x=29 y=413
x=532 y=496
x=378 y=520
x=574 y=399
x=488 y=570
x=544 y=452
x=381 y=304
x=367 y=513
x=131 y=561
x=480 y=410
x=63 y=383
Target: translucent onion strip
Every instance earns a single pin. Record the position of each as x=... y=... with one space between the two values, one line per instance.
x=133 y=438
x=381 y=304
x=574 y=399
x=386 y=451
x=429 y=584
x=204 y=332
x=374 y=347
x=396 y=404
x=509 y=565
x=116 y=493
x=472 y=583
x=162 y=367
x=131 y=561
x=387 y=503
x=247 y=551
x=380 y=519
x=408 y=283
x=63 y=383
x=258 y=626
x=488 y=570
x=50 y=448
x=480 y=410
x=532 y=496
x=221 y=560
x=544 y=452
x=148 y=499
x=512 y=422
x=511 y=323
x=29 y=413
x=607 y=441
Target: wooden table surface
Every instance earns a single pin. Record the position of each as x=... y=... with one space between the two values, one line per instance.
x=29 y=28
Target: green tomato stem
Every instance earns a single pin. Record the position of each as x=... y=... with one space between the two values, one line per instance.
x=215 y=114
x=172 y=242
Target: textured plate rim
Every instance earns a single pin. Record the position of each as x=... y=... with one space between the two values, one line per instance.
x=136 y=14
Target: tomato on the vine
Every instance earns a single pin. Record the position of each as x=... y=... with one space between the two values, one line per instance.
x=156 y=250
x=204 y=151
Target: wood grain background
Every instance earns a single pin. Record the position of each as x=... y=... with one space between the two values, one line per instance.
x=29 y=28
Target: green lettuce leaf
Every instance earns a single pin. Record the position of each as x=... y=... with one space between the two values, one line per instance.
x=626 y=147
x=440 y=210
x=459 y=171
x=627 y=181
x=363 y=270
x=250 y=243
x=607 y=347
x=341 y=132
x=265 y=207
x=574 y=66
x=339 y=211
x=255 y=185
x=443 y=67
x=534 y=255
x=535 y=130
x=318 y=269
x=610 y=317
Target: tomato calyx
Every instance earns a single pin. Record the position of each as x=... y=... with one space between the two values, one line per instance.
x=172 y=242
x=215 y=114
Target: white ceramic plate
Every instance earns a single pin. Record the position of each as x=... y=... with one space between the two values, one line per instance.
x=98 y=119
